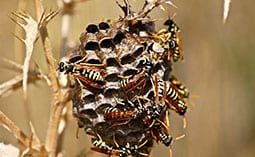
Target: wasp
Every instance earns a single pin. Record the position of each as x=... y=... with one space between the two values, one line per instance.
x=175 y=30
x=113 y=114
x=159 y=129
x=179 y=87
x=168 y=42
x=131 y=83
x=155 y=115
x=174 y=100
x=84 y=73
x=177 y=105
x=166 y=92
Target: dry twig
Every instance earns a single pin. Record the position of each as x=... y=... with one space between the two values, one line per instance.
x=16 y=82
x=57 y=104
x=10 y=126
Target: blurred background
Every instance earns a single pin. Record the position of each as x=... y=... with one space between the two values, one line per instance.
x=219 y=70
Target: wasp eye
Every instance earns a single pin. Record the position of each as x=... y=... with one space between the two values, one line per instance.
x=61 y=66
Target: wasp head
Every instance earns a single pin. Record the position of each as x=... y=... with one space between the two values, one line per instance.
x=64 y=67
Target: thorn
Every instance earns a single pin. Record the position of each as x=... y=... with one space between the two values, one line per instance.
x=45 y=19
x=19 y=38
x=18 y=23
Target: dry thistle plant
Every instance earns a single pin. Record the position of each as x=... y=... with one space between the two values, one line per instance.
x=120 y=99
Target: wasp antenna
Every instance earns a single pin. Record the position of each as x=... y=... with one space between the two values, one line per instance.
x=184 y=120
x=170 y=152
x=115 y=142
x=179 y=137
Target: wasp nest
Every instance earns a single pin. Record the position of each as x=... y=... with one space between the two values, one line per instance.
x=123 y=86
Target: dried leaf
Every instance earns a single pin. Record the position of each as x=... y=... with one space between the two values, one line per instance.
x=226 y=10
x=31 y=30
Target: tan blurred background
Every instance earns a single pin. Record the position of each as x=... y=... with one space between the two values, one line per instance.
x=219 y=68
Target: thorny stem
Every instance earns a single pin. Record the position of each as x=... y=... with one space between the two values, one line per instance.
x=59 y=96
x=57 y=106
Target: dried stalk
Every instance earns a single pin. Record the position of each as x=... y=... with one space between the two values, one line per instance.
x=16 y=82
x=57 y=104
x=10 y=126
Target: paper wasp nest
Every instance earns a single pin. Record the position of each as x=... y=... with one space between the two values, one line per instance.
x=123 y=85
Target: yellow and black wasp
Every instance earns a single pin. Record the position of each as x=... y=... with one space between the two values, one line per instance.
x=168 y=42
x=85 y=73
